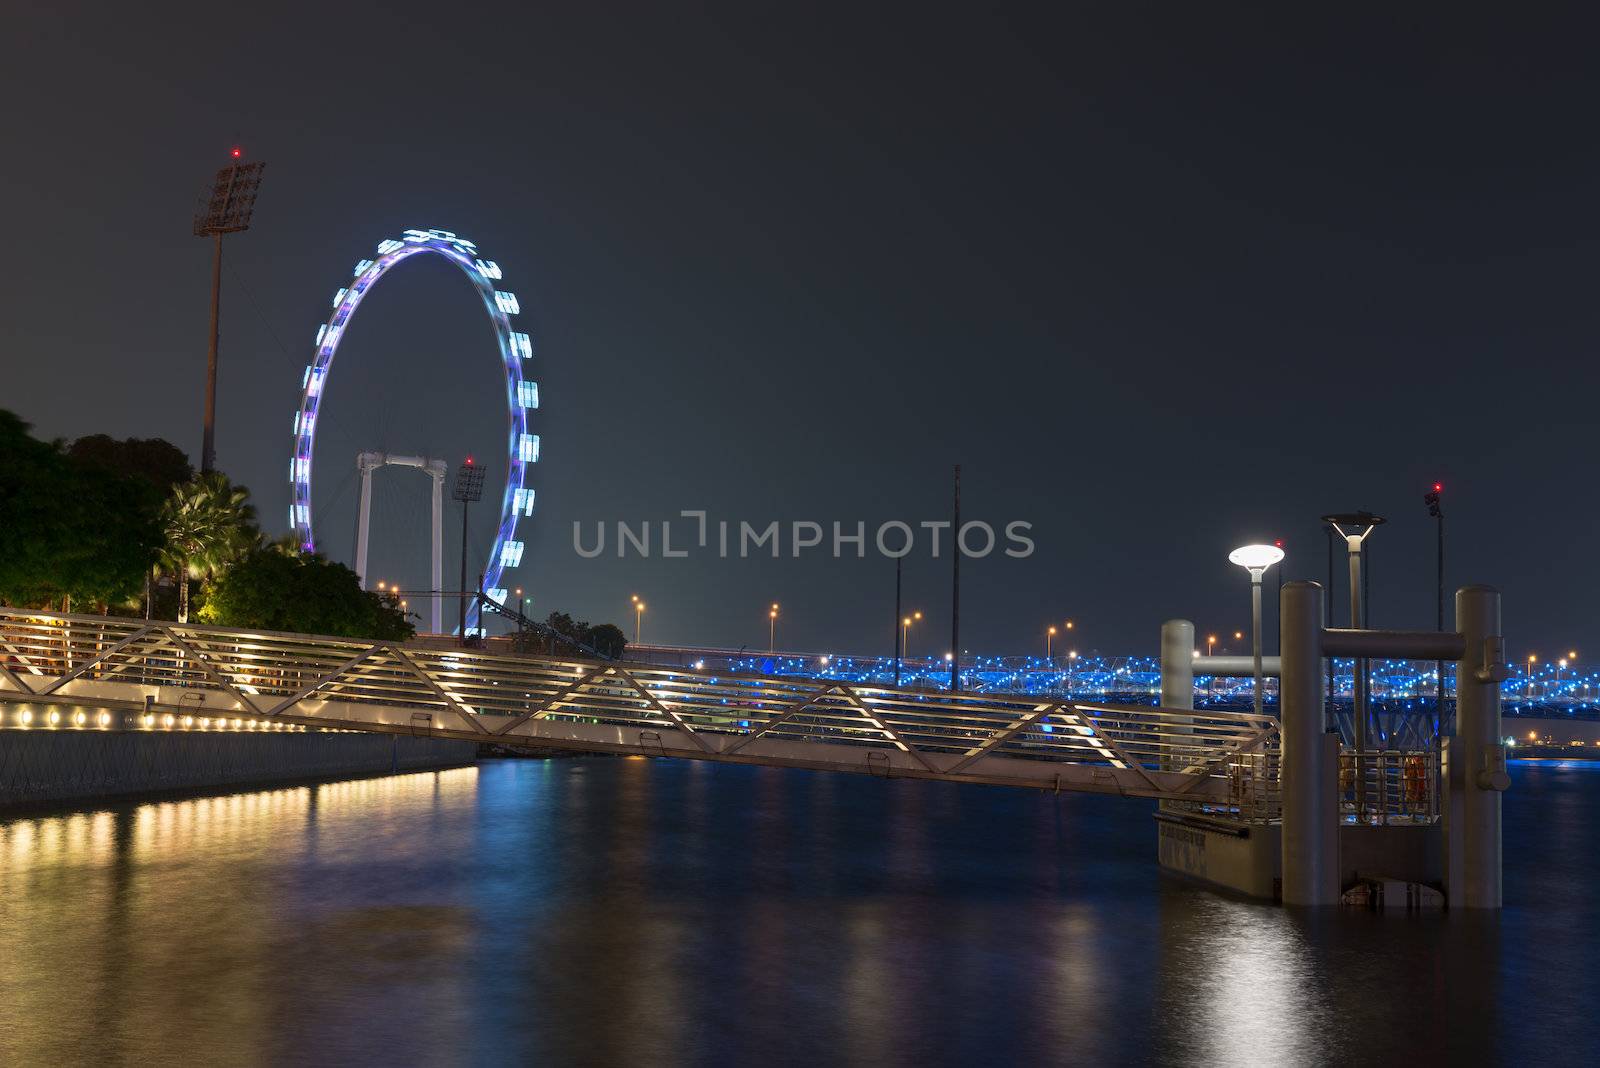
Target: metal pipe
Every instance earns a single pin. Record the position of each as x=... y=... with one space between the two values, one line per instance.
x=1477 y=758
x=1310 y=761
x=1234 y=667
x=1400 y=644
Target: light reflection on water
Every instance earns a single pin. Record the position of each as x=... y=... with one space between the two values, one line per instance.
x=606 y=911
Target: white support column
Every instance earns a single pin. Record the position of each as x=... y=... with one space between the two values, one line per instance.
x=1477 y=773
x=366 y=462
x=1310 y=768
x=1177 y=673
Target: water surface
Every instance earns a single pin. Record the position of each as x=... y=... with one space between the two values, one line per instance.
x=604 y=911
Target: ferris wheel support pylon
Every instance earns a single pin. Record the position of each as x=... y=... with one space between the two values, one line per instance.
x=368 y=462
x=522 y=393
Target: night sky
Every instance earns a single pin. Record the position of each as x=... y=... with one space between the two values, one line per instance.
x=1163 y=278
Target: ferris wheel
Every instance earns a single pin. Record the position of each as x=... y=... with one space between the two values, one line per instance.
x=522 y=394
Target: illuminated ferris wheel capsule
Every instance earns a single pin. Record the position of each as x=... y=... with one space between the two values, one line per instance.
x=522 y=394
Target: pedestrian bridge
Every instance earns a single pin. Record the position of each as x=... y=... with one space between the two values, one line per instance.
x=86 y=673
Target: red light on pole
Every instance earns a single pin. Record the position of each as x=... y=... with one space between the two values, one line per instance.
x=237 y=153
x=1438 y=487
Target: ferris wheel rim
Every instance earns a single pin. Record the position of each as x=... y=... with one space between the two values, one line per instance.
x=522 y=397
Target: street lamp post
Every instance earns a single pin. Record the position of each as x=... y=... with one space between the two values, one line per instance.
x=905 y=632
x=772 y=628
x=1436 y=510
x=1049 y=636
x=1256 y=559
x=1345 y=525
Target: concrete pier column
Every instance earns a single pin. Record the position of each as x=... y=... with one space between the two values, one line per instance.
x=1310 y=761
x=1477 y=774
x=1177 y=674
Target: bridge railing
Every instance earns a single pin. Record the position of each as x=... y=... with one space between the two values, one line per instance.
x=1391 y=787
x=719 y=713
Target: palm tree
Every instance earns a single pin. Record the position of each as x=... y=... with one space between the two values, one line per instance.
x=209 y=523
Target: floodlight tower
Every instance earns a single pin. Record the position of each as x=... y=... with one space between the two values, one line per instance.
x=468 y=488
x=226 y=211
x=1346 y=525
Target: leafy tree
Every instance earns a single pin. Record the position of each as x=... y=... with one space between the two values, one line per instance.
x=608 y=640
x=70 y=529
x=209 y=523
x=155 y=461
x=303 y=593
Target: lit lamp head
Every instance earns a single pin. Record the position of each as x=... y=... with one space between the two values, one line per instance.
x=1347 y=524
x=1256 y=558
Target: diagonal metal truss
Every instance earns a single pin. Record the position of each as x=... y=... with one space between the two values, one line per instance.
x=350 y=684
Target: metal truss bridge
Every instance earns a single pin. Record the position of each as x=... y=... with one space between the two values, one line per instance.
x=66 y=672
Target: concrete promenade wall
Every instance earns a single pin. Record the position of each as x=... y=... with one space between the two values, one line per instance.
x=48 y=766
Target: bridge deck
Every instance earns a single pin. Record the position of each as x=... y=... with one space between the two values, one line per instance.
x=140 y=667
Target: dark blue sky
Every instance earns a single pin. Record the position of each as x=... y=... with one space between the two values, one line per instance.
x=1163 y=278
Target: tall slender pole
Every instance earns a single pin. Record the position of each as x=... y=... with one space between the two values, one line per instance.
x=955 y=589
x=1438 y=667
x=436 y=570
x=208 y=444
x=1255 y=617
x=463 y=624
x=898 y=646
x=1327 y=623
x=1359 y=682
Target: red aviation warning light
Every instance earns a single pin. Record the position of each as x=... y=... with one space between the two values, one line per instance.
x=237 y=153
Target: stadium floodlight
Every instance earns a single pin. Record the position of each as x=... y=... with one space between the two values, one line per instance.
x=467 y=490
x=227 y=210
x=1256 y=559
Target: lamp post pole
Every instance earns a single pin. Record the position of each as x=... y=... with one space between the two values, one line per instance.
x=1256 y=559
x=955 y=589
x=1436 y=509
x=1255 y=623
x=899 y=644
x=1343 y=525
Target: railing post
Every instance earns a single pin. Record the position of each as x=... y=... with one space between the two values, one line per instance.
x=1310 y=809
x=1477 y=760
x=1177 y=676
